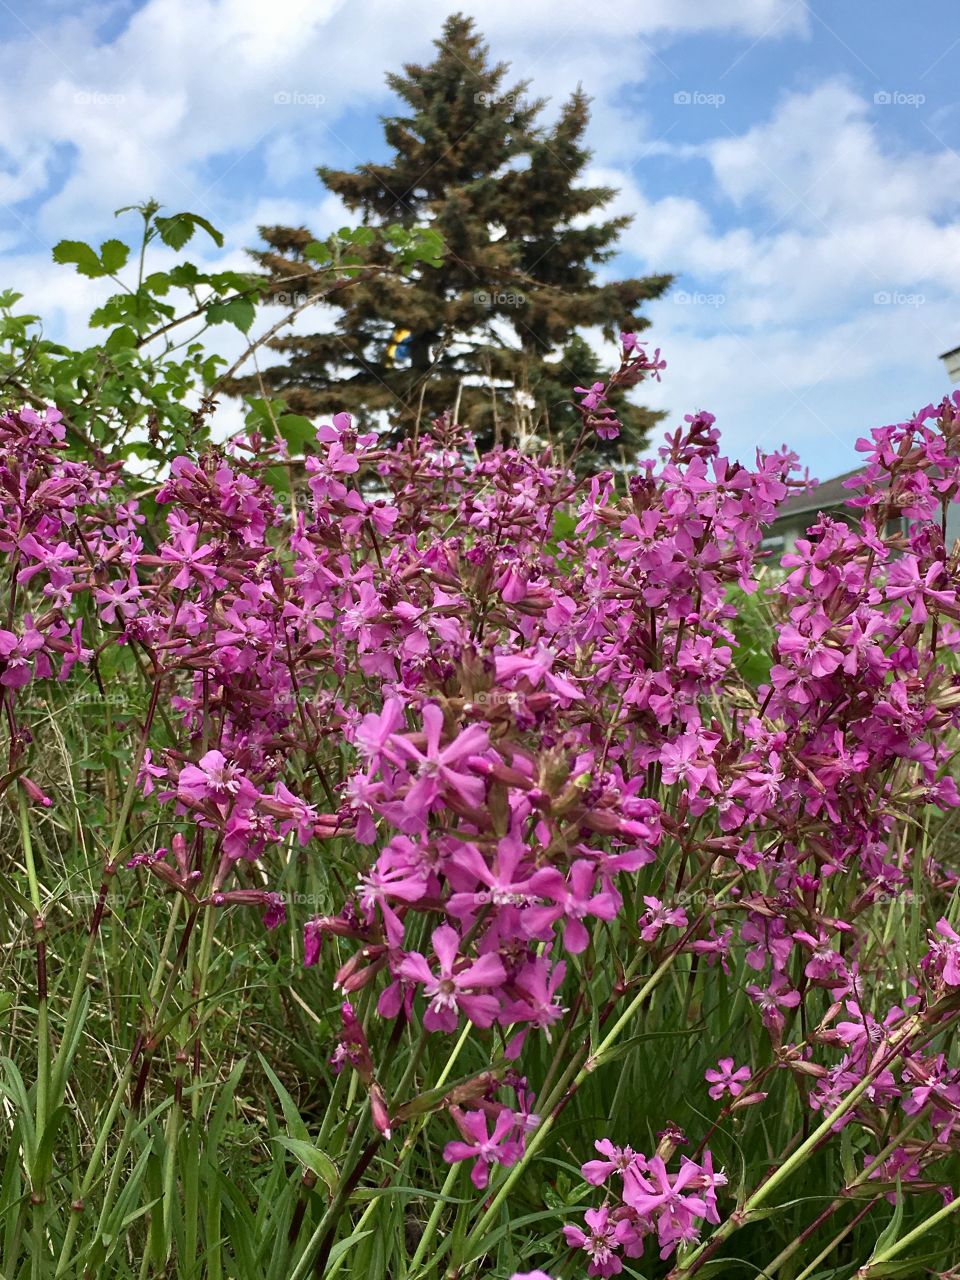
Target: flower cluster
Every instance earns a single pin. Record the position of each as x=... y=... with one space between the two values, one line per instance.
x=515 y=699
x=646 y=1200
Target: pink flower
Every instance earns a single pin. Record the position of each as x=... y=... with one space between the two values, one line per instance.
x=482 y=1146
x=536 y=1001
x=945 y=951
x=438 y=770
x=16 y=653
x=451 y=990
x=726 y=1080
x=149 y=771
x=193 y=560
x=684 y=761
x=615 y=1160
x=778 y=995
x=600 y=1243
x=672 y=1201
x=214 y=778
x=658 y=917
x=573 y=898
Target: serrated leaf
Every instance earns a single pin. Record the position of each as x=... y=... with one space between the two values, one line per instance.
x=122 y=339
x=317 y=251
x=236 y=311
x=83 y=257
x=176 y=230
x=114 y=255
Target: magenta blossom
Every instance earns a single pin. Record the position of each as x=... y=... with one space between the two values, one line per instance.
x=485 y=1148
x=451 y=990
x=600 y=1243
x=726 y=1080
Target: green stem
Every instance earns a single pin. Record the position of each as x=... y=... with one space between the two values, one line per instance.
x=401 y=1163
x=773 y=1267
x=76 y=998
x=910 y=1238
x=43 y=1011
x=597 y=1059
x=837 y=1239
x=700 y=1255
x=116 y=1103
x=37 y=1187
x=336 y=1205
x=426 y=1240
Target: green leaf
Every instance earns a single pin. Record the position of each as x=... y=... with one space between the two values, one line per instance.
x=296 y=430
x=43 y=1162
x=846 y=1156
x=81 y=255
x=113 y=255
x=317 y=251
x=141 y=311
x=290 y=1111
x=15 y=1090
x=184 y=275
x=122 y=339
x=239 y=281
x=236 y=311
x=891 y=1231
x=176 y=230
x=261 y=415
x=357 y=235
x=278 y=479
x=312 y=1157
x=341 y=1247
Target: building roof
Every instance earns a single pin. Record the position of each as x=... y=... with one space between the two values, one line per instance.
x=827 y=495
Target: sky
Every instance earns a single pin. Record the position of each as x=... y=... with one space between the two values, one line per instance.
x=794 y=164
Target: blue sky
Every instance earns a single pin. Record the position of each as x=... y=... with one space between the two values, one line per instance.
x=795 y=164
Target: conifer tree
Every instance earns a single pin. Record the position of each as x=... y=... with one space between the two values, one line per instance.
x=494 y=328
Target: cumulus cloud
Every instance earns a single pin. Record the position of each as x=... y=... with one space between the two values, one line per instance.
x=793 y=227
x=187 y=88
x=818 y=276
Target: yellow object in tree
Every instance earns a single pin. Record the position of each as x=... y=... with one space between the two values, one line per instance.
x=399 y=336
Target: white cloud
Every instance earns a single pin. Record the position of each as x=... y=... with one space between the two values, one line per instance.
x=803 y=218
x=819 y=159
x=188 y=82
x=819 y=276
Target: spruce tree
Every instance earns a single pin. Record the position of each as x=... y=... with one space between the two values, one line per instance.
x=495 y=327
